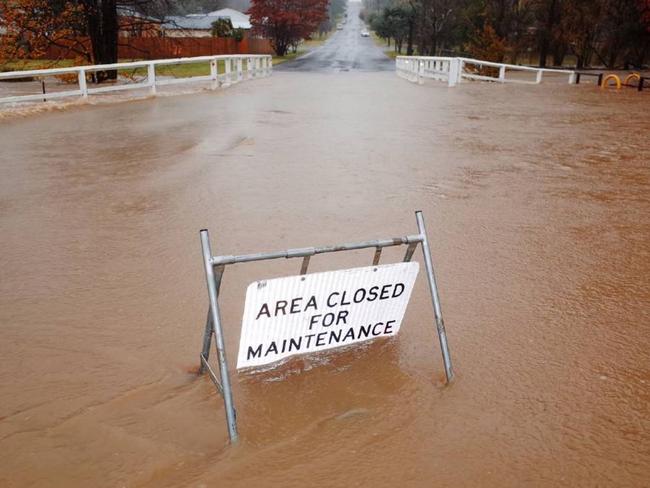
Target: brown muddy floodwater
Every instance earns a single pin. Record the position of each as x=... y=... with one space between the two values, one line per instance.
x=537 y=200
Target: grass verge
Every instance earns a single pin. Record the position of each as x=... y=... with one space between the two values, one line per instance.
x=381 y=43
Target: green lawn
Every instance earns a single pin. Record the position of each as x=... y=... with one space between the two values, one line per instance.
x=381 y=43
x=29 y=64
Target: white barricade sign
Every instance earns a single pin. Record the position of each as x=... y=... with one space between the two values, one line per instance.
x=314 y=312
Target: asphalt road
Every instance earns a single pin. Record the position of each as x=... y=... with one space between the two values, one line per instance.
x=345 y=50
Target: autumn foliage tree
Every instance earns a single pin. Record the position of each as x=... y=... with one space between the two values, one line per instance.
x=33 y=26
x=286 y=22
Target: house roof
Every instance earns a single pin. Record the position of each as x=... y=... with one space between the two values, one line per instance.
x=234 y=15
x=126 y=11
x=238 y=19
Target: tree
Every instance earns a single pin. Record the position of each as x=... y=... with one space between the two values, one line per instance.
x=437 y=19
x=286 y=22
x=223 y=28
x=549 y=13
x=393 y=23
x=625 y=33
x=103 y=29
x=335 y=9
x=35 y=25
x=487 y=45
x=32 y=26
x=583 y=20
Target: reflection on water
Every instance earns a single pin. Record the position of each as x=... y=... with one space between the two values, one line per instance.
x=537 y=200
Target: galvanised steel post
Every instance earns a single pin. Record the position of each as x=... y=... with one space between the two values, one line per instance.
x=218 y=332
x=435 y=298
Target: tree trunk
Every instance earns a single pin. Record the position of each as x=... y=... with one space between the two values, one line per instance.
x=543 y=50
x=641 y=56
x=559 y=53
x=584 y=58
x=103 y=30
x=434 y=41
x=611 y=60
x=546 y=34
x=409 y=45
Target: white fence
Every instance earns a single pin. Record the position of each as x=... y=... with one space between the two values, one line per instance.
x=234 y=68
x=454 y=70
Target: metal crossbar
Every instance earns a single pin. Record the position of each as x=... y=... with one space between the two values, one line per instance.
x=311 y=251
x=214 y=267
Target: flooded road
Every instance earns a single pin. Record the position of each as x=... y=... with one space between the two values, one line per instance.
x=537 y=204
x=345 y=50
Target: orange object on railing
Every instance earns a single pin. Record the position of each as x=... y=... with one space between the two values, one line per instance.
x=611 y=77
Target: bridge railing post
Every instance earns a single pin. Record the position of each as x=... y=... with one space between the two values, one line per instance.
x=227 y=71
x=151 y=78
x=83 y=86
x=453 y=75
x=214 y=73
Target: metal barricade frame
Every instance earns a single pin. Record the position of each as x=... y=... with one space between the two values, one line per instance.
x=214 y=267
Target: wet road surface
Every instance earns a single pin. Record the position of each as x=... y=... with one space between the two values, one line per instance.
x=345 y=50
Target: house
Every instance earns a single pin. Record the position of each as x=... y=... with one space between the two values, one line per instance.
x=238 y=19
x=200 y=25
x=134 y=24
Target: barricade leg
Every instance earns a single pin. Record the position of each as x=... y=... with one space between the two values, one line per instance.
x=218 y=332
x=435 y=298
x=207 y=342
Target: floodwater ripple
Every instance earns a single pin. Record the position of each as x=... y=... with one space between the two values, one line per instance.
x=536 y=199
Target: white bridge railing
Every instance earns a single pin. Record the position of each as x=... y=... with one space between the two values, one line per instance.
x=454 y=70
x=224 y=71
